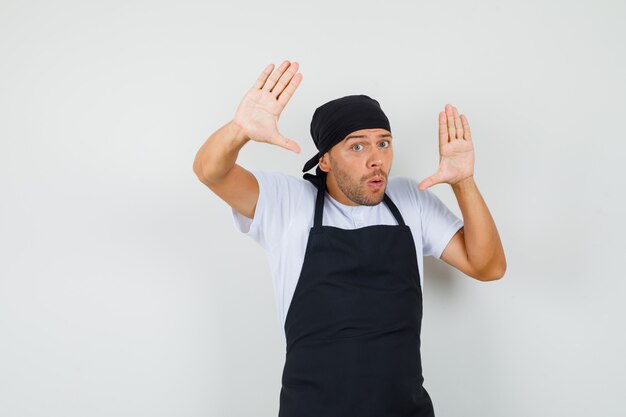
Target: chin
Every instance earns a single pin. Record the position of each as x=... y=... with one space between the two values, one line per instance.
x=375 y=200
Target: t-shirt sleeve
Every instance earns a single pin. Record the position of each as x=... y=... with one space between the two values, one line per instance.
x=278 y=197
x=439 y=224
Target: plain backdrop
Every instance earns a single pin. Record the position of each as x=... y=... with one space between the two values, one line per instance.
x=125 y=289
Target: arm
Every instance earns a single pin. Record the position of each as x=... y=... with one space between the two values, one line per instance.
x=256 y=119
x=475 y=249
x=215 y=167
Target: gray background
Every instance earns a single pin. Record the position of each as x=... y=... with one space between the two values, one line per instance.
x=125 y=289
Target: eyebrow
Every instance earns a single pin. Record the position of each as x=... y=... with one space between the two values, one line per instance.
x=382 y=135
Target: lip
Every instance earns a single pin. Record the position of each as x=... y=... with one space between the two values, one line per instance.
x=376 y=178
x=376 y=185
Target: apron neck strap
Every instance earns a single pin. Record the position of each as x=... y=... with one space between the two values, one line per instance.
x=394 y=210
x=319 y=202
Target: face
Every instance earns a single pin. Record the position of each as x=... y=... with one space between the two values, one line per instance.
x=358 y=167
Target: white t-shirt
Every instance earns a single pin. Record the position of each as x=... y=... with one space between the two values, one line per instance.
x=284 y=216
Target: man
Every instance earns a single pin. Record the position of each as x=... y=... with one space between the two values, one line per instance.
x=346 y=274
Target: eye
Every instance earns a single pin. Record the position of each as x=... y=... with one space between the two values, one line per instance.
x=387 y=144
x=355 y=145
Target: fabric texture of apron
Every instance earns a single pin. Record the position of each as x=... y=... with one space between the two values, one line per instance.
x=353 y=325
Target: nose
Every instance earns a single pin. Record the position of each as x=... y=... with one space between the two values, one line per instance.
x=376 y=159
x=377 y=163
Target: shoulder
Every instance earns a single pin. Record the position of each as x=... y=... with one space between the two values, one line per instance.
x=282 y=194
x=277 y=176
x=403 y=191
x=283 y=200
x=279 y=182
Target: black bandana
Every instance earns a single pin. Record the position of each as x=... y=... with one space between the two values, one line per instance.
x=335 y=120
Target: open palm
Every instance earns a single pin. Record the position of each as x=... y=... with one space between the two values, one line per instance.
x=456 y=150
x=260 y=109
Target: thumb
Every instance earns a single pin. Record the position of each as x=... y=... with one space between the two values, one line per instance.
x=286 y=143
x=436 y=178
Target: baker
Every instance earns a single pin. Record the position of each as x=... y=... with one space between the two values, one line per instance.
x=346 y=269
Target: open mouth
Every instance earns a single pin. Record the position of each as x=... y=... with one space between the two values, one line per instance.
x=376 y=182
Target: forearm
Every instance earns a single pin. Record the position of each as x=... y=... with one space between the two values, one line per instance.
x=219 y=153
x=482 y=241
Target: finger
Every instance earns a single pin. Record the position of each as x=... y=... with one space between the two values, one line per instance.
x=261 y=80
x=285 y=96
x=443 y=129
x=285 y=78
x=430 y=181
x=271 y=82
x=284 y=142
x=450 y=117
x=457 y=124
x=467 y=134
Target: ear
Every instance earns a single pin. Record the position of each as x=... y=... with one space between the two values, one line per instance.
x=325 y=163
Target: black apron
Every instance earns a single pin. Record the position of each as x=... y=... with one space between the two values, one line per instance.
x=353 y=325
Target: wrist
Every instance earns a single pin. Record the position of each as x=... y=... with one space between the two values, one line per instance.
x=464 y=184
x=237 y=132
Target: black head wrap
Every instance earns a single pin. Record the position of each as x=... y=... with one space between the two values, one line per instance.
x=335 y=120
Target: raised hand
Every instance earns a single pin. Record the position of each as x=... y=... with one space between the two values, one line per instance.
x=456 y=150
x=259 y=111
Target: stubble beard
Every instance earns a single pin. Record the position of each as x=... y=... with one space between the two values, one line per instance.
x=356 y=191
